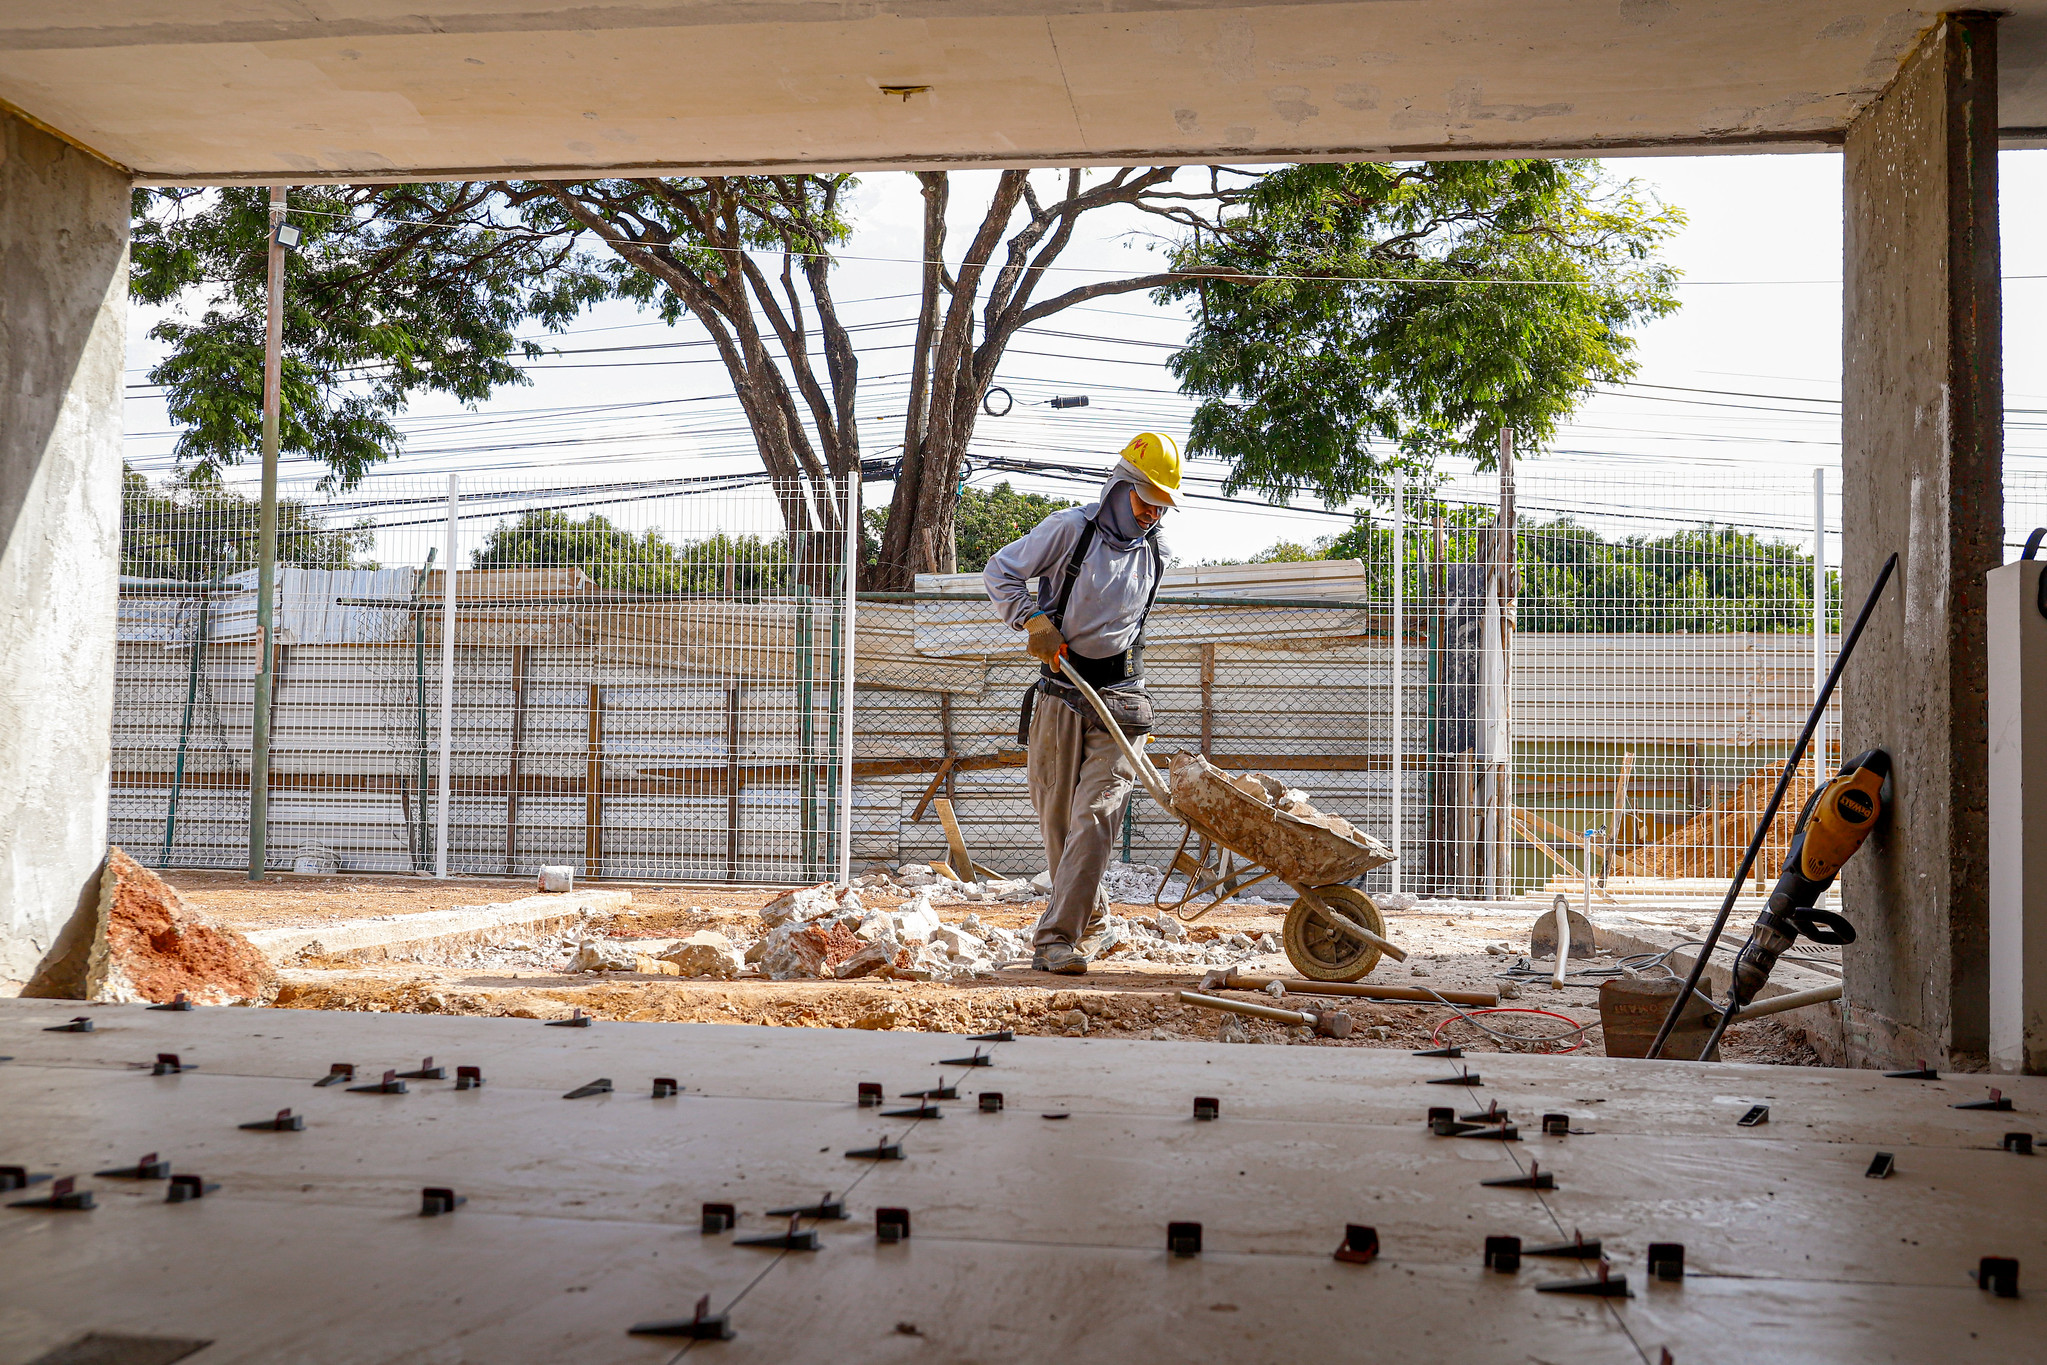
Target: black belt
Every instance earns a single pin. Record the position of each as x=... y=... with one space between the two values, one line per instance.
x=1113 y=671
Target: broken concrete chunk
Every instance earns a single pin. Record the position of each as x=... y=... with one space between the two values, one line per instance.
x=957 y=942
x=796 y=952
x=805 y=903
x=706 y=953
x=916 y=921
x=872 y=958
x=604 y=956
x=141 y=943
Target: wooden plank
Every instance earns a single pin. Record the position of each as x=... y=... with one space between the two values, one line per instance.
x=943 y=774
x=1555 y=831
x=1207 y=696
x=962 y=861
x=1528 y=836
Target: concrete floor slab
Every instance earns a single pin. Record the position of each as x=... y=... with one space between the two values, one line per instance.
x=1033 y=1239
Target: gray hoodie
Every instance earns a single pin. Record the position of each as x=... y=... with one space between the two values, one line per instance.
x=1106 y=611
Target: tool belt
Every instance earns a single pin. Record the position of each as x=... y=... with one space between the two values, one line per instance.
x=1130 y=704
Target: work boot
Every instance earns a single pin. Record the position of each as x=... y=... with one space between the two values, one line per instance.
x=1062 y=958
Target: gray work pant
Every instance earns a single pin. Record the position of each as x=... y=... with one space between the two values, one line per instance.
x=1079 y=782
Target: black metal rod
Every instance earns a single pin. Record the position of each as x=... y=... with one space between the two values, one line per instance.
x=1755 y=843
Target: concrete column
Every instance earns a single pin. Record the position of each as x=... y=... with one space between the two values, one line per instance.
x=63 y=323
x=1922 y=456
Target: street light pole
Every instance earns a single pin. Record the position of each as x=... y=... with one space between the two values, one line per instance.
x=266 y=552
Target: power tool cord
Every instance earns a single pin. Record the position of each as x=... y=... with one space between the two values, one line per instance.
x=1791 y=765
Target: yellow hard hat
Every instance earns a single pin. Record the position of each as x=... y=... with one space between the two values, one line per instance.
x=1153 y=463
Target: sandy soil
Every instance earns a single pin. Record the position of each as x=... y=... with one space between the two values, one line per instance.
x=1116 y=999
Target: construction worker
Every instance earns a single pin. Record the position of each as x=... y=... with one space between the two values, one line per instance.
x=1098 y=569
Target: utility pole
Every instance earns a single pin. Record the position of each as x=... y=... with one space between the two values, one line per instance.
x=266 y=551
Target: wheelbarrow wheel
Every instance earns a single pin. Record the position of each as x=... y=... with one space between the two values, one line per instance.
x=1322 y=952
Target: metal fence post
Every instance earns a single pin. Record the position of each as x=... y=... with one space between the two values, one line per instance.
x=850 y=534
x=447 y=682
x=266 y=551
x=806 y=732
x=1819 y=619
x=1399 y=661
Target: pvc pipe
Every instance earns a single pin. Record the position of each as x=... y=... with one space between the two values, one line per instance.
x=1562 y=915
x=1778 y=1004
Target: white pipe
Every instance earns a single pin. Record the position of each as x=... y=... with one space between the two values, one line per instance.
x=1399 y=659
x=1562 y=915
x=849 y=564
x=447 y=684
x=1797 y=1000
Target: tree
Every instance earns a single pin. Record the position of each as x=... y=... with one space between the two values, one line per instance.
x=196 y=528
x=616 y=559
x=985 y=520
x=394 y=290
x=1360 y=318
x=689 y=245
x=1705 y=579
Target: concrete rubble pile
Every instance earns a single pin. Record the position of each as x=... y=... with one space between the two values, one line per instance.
x=811 y=926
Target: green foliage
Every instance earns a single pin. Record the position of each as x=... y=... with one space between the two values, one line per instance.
x=1374 y=353
x=692 y=224
x=618 y=560
x=395 y=290
x=985 y=520
x=989 y=518
x=195 y=528
x=1702 y=580
x=1706 y=579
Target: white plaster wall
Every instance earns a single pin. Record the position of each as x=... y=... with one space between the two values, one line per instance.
x=63 y=317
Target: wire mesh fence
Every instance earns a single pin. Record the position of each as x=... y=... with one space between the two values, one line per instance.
x=636 y=684
x=646 y=682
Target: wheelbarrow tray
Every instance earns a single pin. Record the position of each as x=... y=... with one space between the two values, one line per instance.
x=1310 y=849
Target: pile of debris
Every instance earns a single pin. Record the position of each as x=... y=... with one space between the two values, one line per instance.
x=940 y=885
x=142 y=943
x=1165 y=939
x=822 y=932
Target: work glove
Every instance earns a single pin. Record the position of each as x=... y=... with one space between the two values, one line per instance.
x=1045 y=641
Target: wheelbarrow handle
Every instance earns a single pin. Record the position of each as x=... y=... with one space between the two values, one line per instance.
x=1153 y=781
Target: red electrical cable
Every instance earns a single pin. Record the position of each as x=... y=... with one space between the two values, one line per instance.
x=1514 y=1009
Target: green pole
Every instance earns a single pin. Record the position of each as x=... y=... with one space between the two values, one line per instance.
x=170 y=822
x=266 y=554
x=806 y=722
x=419 y=696
x=837 y=705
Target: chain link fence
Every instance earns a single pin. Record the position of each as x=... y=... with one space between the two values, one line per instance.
x=646 y=682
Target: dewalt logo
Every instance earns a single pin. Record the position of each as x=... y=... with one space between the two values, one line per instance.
x=1855 y=806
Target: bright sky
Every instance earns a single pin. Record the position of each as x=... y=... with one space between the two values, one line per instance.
x=1735 y=404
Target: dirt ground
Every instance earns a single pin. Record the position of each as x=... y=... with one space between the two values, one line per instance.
x=1117 y=998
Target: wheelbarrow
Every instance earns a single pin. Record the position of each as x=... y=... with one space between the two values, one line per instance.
x=1251 y=833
